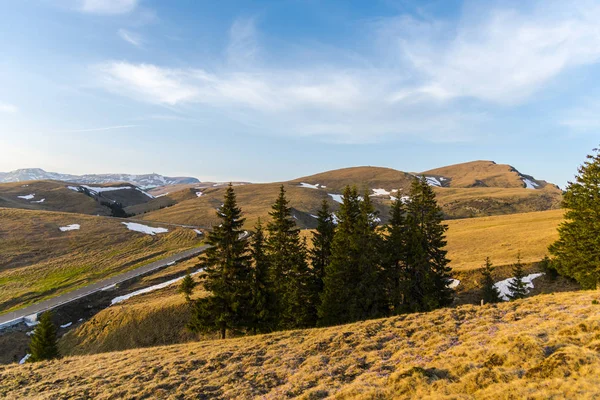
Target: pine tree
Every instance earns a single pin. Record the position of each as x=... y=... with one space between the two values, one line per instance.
x=353 y=286
x=227 y=275
x=292 y=279
x=262 y=296
x=187 y=286
x=322 y=239
x=491 y=294
x=43 y=345
x=577 y=251
x=517 y=287
x=338 y=302
x=425 y=284
x=370 y=289
x=394 y=263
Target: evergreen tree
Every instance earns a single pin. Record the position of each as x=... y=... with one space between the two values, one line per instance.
x=338 y=304
x=293 y=283
x=427 y=274
x=577 y=251
x=353 y=288
x=491 y=294
x=394 y=263
x=320 y=254
x=517 y=286
x=370 y=289
x=262 y=296
x=43 y=345
x=228 y=275
x=187 y=286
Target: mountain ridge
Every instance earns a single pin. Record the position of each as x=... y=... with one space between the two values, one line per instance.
x=144 y=181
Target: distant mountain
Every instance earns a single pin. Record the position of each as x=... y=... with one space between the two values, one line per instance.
x=143 y=181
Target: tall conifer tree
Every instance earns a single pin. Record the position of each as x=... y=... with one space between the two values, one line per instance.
x=227 y=274
x=262 y=294
x=517 y=287
x=490 y=293
x=577 y=251
x=425 y=284
x=43 y=344
x=322 y=239
x=292 y=279
x=338 y=302
x=394 y=263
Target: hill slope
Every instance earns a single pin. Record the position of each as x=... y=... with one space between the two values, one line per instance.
x=39 y=260
x=484 y=174
x=538 y=348
x=500 y=196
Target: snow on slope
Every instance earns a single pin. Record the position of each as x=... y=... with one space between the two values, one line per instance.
x=133 y=226
x=529 y=184
x=27 y=197
x=503 y=286
x=72 y=227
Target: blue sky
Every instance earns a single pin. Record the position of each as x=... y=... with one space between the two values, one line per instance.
x=273 y=90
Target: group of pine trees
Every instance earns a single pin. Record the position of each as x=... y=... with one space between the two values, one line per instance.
x=354 y=270
x=517 y=287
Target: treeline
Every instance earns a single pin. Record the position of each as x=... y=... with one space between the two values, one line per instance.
x=354 y=270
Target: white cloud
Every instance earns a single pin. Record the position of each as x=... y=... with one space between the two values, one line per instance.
x=416 y=86
x=107 y=7
x=501 y=56
x=8 y=108
x=130 y=37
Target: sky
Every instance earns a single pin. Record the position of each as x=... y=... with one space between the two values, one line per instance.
x=277 y=89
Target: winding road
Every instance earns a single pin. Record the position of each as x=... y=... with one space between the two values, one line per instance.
x=15 y=317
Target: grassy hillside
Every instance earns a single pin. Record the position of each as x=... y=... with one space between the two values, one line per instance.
x=56 y=196
x=186 y=208
x=482 y=174
x=538 y=348
x=38 y=260
x=501 y=238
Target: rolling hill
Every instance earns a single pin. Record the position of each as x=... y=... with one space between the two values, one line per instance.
x=538 y=348
x=504 y=191
x=43 y=254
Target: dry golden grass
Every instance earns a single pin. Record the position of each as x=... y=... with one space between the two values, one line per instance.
x=256 y=199
x=501 y=238
x=57 y=198
x=38 y=261
x=538 y=348
x=479 y=173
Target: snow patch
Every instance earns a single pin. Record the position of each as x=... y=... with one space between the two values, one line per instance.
x=146 y=193
x=109 y=287
x=453 y=283
x=380 y=192
x=73 y=188
x=24 y=359
x=149 y=289
x=66 y=325
x=337 y=197
x=504 y=290
x=72 y=227
x=529 y=184
x=309 y=186
x=27 y=197
x=199 y=194
x=133 y=226
x=39 y=201
x=432 y=181
x=161 y=195
x=199 y=232
x=99 y=189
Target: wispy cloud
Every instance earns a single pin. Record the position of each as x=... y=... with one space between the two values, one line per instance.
x=130 y=37
x=8 y=108
x=421 y=85
x=104 y=128
x=502 y=55
x=107 y=7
